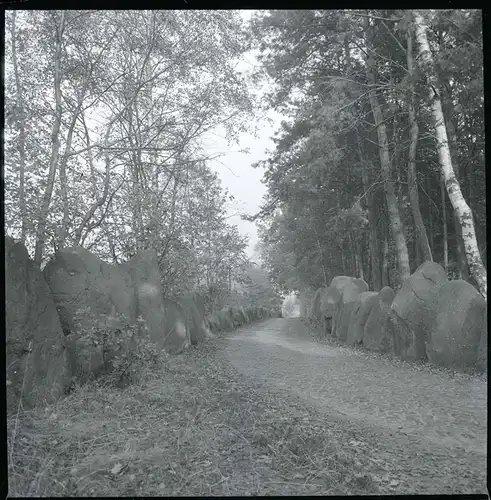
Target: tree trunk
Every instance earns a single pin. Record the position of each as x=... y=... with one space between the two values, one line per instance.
x=372 y=221
x=208 y=257
x=430 y=215
x=63 y=163
x=394 y=158
x=459 y=204
x=411 y=168
x=417 y=254
x=359 y=258
x=448 y=111
x=21 y=117
x=137 y=181
x=352 y=251
x=385 y=261
x=99 y=201
x=445 y=232
x=369 y=275
x=344 y=260
x=385 y=163
x=319 y=247
x=55 y=147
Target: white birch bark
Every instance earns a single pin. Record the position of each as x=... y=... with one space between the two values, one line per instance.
x=459 y=204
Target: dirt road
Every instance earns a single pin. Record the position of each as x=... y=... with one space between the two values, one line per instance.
x=426 y=425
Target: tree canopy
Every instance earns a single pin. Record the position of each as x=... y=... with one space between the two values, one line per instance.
x=355 y=180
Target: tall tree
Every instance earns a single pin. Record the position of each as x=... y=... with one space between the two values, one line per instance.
x=59 y=28
x=453 y=187
x=414 y=133
x=18 y=114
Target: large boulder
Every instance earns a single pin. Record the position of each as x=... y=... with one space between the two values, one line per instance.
x=338 y=283
x=315 y=311
x=193 y=305
x=412 y=311
x=212 y=323
x=349 y=289
x=224 y=320
x=373 y=332
x=244 y=319
x=458 y=325
x=92 y=297
x=37 y=364
x=163 y=319
x=251 y=312
x=176 y=336
x=234 y=316
x=329 y=298
x=359 y=316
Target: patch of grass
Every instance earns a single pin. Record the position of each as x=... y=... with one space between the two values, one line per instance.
x=193 y=428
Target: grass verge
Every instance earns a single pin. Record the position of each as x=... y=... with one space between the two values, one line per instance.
x=199 y=428
x=194 y=428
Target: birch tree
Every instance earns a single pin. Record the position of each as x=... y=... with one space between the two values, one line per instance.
x=452 y=185
x=411 y=169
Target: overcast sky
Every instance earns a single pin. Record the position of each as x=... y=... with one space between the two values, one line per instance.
x=241 y=180
x=234 y=168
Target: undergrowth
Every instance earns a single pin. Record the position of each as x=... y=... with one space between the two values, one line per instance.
x=125 y=349
x=193 y=427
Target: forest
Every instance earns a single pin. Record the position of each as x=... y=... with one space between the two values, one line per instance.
x=378 y=165
x=152 y=349
x=106 y=112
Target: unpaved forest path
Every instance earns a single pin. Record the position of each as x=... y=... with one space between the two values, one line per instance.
x=427 y=422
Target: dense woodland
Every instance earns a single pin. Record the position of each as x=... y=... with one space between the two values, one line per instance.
x=106 y=112
x=378 y=166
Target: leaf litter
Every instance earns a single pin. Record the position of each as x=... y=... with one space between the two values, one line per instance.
x=200 y=427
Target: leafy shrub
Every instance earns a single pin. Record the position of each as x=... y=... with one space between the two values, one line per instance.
x=243 y=315
x=127 y=351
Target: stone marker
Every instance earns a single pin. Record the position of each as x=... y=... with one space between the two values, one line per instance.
x=36 y=358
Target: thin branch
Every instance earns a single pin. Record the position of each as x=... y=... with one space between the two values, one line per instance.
x=395 y=38
x=371 y=16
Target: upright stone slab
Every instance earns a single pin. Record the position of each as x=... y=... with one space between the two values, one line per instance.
x=194 y=310
x=329 y=298
x=36 y=356
x=412 y=311
x=175 y=336
x=144 y=271
x=373 y=332
x=482 y=353
x=315 y=312
x=305 y=299
x=359 y=316
x=349 y=289
x=458 y=327
x=91 y=296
